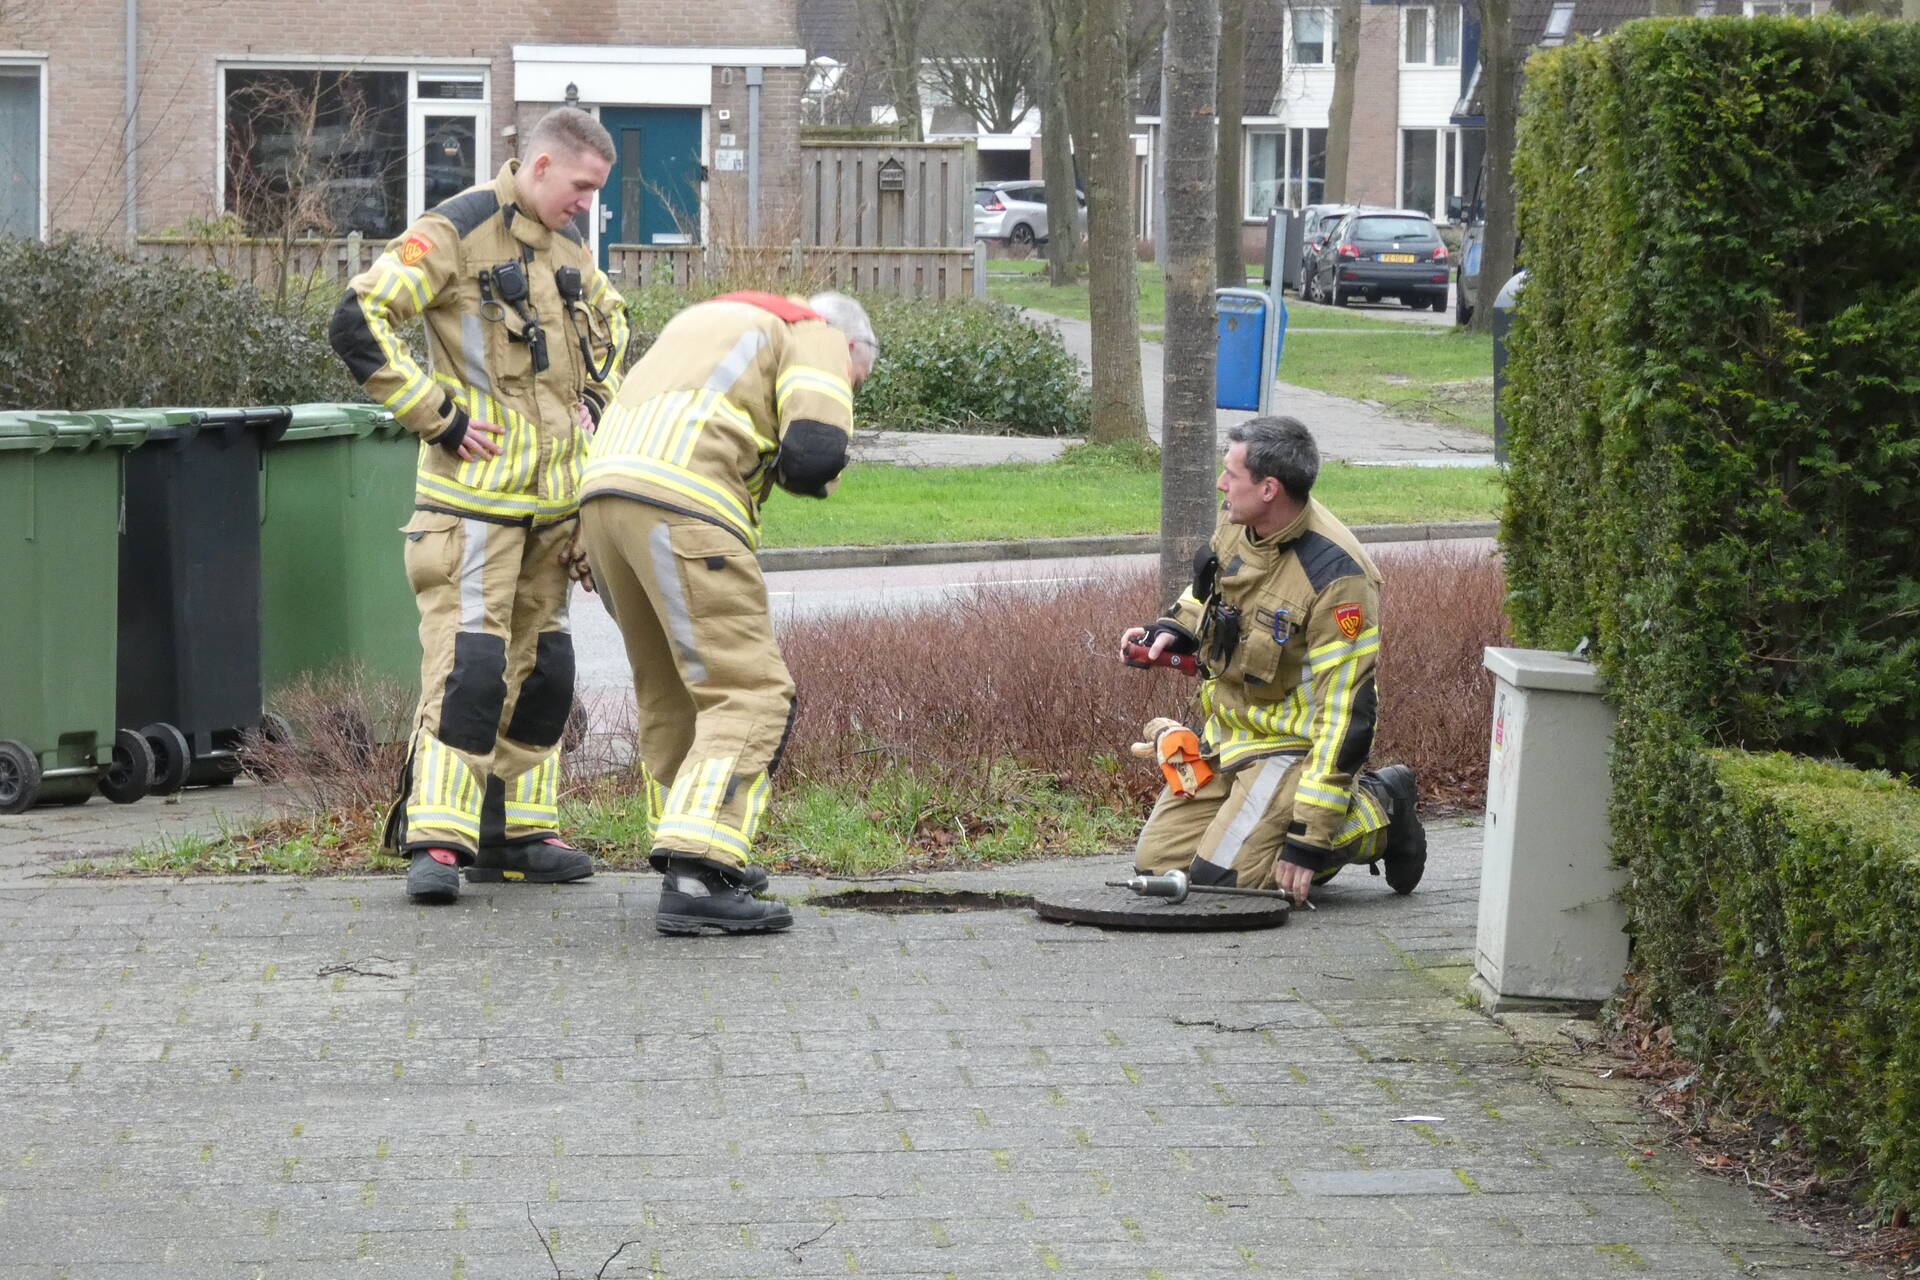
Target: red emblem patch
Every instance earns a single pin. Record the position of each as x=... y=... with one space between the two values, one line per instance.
x=1351 y=620
x=414 y=248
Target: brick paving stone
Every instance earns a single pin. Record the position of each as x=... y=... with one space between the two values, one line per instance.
x=189 y=1088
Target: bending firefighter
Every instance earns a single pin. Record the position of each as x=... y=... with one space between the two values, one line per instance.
x=524 y=337
x=739 y=394
x=1283 y=618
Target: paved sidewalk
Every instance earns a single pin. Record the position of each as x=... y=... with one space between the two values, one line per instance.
x=316 y=1080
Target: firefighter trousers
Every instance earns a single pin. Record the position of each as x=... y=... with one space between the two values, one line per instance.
x=496 y=683
x=714 y=698
x=1231 y=830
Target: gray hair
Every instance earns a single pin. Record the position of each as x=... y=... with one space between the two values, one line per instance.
x=1282 y=448
x=850 y=318
x=569 y=131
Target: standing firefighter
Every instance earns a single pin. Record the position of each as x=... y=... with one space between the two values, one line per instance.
x=739 y=394
x=1284 y=619
x=524 y=338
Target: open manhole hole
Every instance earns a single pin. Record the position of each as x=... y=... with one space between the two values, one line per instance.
x=915 y=902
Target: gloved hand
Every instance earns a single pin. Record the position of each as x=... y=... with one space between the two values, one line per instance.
x=573 y=558
x=1177 y=748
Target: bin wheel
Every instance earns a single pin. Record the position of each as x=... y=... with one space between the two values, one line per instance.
x=275 y=731
x=130 y=776
x=172 y=757
x=19 y=777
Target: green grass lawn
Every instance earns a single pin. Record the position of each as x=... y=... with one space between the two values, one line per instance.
x=1023 y=283
x=878 y=504
x=1433 y=373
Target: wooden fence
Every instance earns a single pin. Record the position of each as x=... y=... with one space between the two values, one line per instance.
x=265 y=263
x=861 y=194
x=918 y=272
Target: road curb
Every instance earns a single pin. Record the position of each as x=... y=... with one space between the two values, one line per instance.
x=786 y=559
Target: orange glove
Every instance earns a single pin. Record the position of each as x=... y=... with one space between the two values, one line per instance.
x=1177 y=748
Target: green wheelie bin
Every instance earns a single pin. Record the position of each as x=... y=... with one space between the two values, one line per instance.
x=336 y=488
x=61 y=493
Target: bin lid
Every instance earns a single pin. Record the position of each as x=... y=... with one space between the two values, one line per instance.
x=39 y=430
x=328 y=421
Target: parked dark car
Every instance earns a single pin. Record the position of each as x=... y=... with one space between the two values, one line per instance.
x=1382 y=254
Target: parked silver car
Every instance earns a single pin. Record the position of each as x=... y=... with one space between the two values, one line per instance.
x=1015 y=213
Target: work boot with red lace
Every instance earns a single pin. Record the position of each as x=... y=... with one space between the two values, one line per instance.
x=434 y=875
x=530 y=860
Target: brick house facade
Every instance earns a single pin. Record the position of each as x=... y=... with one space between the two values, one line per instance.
x=439 y=91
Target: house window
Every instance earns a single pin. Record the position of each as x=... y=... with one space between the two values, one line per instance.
x=1306 y=167
x=1313 y=38
x=317 y=151
x=1779 y=8
x=1559 y=24
x=1440 y=171
x=1266 y=161
x=22 y=150
x=1419 y=153
x=1430 y=36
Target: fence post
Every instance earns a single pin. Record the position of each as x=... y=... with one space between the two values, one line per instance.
x=980 y=269
x=353 y=255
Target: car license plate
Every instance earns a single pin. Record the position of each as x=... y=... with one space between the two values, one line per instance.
x=1396 y=257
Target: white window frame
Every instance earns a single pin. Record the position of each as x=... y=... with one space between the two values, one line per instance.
x=36 y=62
x=1780 y=8
x=1332 y=19
x=1431 y=52
x=415 y=68
x=1449 y=144
x=1426 y=11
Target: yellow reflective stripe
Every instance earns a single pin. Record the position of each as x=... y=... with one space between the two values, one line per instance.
x=530 y=813
x=450 y=819
x=1324 y=797
x=1366 y=642
x=1366 y=816
x=438 y=491
x=727 y=411
x=680 y=833
x=410 y=394
x=604 y=474
x=793 y=381
x=410 y=278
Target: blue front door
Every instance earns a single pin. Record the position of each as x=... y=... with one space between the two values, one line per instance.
x=653 y=194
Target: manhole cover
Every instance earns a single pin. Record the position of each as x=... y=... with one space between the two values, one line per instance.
x=913 y=902
x=1115 y=908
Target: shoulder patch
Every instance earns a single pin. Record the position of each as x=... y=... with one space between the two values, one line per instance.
x=1322 y=560
x=414 y=248
x=469 y=209
x=1351 y=619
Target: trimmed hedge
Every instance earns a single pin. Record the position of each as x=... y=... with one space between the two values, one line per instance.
x=1776 y=904
x=83 y=327
x=1715 y=376
x=944 y=366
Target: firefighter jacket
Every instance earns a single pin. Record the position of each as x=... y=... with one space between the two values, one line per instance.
x=1288 y=632
x=482 y=351
x=738 y=394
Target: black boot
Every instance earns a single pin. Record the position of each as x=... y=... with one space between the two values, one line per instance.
x=749 y=877
x=433 y=875
x=533 y=860
x=695 y=894
x=1405 y=857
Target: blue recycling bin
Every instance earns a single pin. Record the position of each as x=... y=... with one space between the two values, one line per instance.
x=1250 y=327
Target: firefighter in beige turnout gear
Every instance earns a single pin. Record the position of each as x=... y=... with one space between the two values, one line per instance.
x=525 y=337
x=1284 y=615
x=739 y=394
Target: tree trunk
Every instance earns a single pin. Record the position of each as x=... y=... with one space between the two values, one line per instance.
x=1501 y=98
x=1101 y=108
x=1187 y=414
x=1230 y=201
x=1057 y=21
x=1346 y=65
x=898 y=24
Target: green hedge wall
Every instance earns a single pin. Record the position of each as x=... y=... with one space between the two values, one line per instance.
x=83 y=327
x=1715 y=376
x=1778 y=896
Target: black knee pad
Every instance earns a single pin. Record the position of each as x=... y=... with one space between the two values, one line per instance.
x=546 y=696
x=476 y=692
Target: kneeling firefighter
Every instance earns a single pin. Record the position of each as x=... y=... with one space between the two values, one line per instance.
x=739 y=394
x=525 y=336
x=1283 y=622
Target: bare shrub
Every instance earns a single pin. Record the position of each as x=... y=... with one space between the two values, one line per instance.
x=1442 y=607
x=349 y=741
x=1032 y=676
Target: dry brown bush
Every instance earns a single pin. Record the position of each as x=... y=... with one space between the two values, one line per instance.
x=1033 y=676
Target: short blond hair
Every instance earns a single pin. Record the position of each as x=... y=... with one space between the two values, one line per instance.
x=571 y=131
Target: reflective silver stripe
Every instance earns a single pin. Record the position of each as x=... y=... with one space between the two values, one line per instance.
x=666 y=569
x=473 y=564
x=728 y=371
x=1258 y=796
x=473 y=349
